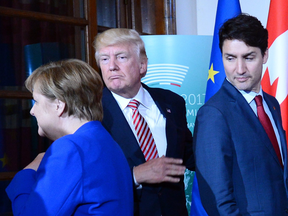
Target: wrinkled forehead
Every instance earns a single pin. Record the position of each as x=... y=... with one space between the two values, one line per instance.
x=125 y=46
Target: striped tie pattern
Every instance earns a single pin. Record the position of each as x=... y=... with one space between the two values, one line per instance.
x=144 y=134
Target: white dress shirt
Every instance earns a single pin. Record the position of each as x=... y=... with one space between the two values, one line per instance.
x=150 y=112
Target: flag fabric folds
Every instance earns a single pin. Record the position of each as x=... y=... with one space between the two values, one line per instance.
x=275 y=71
x=226 y=9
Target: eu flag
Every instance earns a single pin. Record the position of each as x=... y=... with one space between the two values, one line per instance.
x=226 y=9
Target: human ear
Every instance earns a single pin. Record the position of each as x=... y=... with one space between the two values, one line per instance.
x=60 y=107
x=265 y=57
x=143 y=66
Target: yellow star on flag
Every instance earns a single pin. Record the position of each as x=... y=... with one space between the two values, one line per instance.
x=4 y=160
x=212 y=73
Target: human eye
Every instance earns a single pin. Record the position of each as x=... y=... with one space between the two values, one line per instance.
x=104 y=59
x=249 y=58
x=122 y=58
x=230 y=58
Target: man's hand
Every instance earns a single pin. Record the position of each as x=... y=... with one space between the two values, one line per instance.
x=159 y=170
x=35 y=163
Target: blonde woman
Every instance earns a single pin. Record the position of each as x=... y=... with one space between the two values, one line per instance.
x=84 y=171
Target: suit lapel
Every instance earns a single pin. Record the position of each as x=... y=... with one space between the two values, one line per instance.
x=112 y=121
x=277 y=119
x=244 y=110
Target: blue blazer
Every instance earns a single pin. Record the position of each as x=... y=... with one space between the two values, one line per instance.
x=154 y=199
x=84 y=173
x=237 y=168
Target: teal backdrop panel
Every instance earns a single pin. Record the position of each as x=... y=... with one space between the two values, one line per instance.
x=180 y=63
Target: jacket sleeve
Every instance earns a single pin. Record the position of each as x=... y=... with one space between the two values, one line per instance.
x=189 y=160
x=55 y=189
x=214 y=154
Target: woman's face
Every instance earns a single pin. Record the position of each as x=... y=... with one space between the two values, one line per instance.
x=44 y=110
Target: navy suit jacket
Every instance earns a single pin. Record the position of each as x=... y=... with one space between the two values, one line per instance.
x=154 y=199
x=237 y=168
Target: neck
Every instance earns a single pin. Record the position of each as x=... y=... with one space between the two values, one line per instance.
x=70 y=125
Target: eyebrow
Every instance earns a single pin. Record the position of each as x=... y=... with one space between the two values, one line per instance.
x=103 y=54
x=116 y=53
x=248 y=54
x=121 y=52
x=245 y=55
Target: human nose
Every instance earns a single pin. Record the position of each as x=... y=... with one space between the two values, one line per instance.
x=241 y=67
x=113 y=65
x=32 y=111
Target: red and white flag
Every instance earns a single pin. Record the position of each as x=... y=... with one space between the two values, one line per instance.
x=275 y=77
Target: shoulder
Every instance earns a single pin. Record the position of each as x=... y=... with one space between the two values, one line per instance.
x=83 y=135
x=222 y=104
x=90 y=132
x=227 y=95
x=107 y=96
x=160 y=93
x=65 y=145
x=81 y=145
x=270 y=98
x=219 y=100
x=272 y=102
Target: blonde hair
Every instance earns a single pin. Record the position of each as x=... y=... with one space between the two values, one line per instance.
x=119 y=36
x=75 y=83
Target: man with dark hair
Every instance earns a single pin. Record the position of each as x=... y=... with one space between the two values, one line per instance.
x=239 y=142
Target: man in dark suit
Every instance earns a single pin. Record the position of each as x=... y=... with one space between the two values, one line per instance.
x=159 y=187
x=239 y=171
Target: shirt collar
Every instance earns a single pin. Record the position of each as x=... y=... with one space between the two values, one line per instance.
x=249 y=96
x=141 y=96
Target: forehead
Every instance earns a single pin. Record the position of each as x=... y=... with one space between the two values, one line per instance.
x=36 y=93
x=234 y=47
x=116 y=48
x=36 y=87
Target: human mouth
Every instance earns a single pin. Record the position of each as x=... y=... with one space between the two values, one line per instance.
x=242 y=78
x=114 y=77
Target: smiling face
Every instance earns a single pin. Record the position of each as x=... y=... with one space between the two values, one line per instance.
x=44 y=111
x=122 y=69
x=243 y=64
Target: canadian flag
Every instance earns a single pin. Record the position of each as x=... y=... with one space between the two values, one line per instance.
x=275 y=77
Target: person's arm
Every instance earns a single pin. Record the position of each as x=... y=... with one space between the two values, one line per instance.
x=213 y=147
x=36 y=162
x=51 y=190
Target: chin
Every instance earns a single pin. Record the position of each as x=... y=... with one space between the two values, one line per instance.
x=244 y=88
x=41 y=133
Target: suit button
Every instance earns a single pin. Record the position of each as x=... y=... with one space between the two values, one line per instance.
x=286 y=210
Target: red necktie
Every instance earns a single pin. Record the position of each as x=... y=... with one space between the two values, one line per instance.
x=266 y=123
x=144 y=134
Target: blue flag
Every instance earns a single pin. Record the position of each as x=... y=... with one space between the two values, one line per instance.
x=226 y=9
